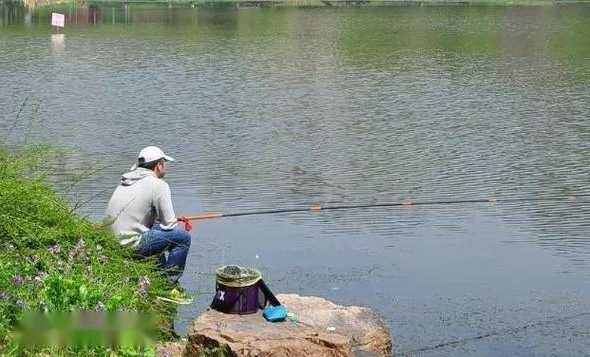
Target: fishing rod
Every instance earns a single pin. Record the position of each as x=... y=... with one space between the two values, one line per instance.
x=405 y=203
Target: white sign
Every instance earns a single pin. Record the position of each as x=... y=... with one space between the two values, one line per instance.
x=57 y=20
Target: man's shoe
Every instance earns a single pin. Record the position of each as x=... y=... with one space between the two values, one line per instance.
x=177 y=296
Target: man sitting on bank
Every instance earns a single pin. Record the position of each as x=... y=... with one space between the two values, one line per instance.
x=141 y=214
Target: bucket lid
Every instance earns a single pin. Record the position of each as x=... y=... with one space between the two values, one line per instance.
x=236 y=276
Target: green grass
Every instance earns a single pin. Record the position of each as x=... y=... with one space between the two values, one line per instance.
x=52 y=260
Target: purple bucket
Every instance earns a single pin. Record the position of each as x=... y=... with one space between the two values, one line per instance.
x=242 y=301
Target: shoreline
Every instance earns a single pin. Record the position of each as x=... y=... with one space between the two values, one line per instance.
x=298 y=3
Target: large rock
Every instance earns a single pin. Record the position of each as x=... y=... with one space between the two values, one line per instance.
x=367 y=331
x=323 y=329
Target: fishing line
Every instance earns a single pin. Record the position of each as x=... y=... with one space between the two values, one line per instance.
x=18 y=114
x=494 y=333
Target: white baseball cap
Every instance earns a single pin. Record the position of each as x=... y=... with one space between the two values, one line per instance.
x=151 y=154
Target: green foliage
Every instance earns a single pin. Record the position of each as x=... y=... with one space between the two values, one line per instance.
x=54 y=261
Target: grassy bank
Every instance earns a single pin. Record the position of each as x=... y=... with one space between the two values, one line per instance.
x=52 y=260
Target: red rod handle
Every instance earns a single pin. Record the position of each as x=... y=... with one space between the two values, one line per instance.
x=206 y=215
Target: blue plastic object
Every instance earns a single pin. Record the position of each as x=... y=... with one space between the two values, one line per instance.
x=275 y=313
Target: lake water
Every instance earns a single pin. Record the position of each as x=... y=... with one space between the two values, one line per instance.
x=285 y=107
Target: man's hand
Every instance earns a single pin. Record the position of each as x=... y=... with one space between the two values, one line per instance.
x=188 y=226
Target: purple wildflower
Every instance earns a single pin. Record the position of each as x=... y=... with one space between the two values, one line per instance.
x=143 y=283
x=18 y=280
x=100 y=307
x=40 y=278
x=35 y=259
x=79 y=250
x=55 y=249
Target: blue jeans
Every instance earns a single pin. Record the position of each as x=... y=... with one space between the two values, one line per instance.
x=171 y=246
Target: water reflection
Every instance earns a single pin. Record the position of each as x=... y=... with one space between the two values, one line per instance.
x=117 y=13
x=14 y=13
x=57 y=43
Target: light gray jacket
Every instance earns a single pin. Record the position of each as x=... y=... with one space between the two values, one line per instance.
x=140 y=200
